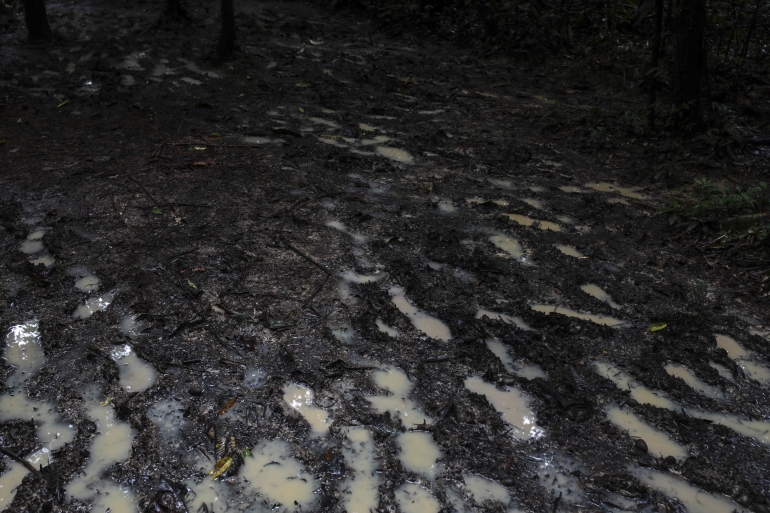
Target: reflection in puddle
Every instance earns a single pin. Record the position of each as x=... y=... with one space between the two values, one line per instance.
x=24 y=351
x=680 y=371
x=33 y=244
x=301 y=399
x=513 y=404
x=512 y=247
x=398 y=403
x=534 y=203
x=111 y=445
x=692 y=497
x=431 y=326
x=560 y=476
x=392 y=332
x=95 y=304
x=507 y=319
x=262 y=140
x=85 y=281
x=483 y=489
x=570 y=251
x=743 y=359
x=603 y=320
x=360 y=490
x=419 y=453
x=412 y=498
x=358 y=239
x=276 y=475
x=395 y=154
x=446 y=206
x=658 y=443
x=254 y=378
x=722 y=370
x=131 y=326
x=528 y=221
x=595 y=291
x=352 y=277
x=629 y=192
x=519 y=368
x=135 y=375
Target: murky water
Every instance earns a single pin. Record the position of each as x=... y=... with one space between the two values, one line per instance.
x=326 y=122
x=560 y=476
x=395 y=154
x=680 y=371
x=136 y=375
x=744 y=359
x=520 y=368
x=512 y=247
x=254 y=378
x=24 y=351
x=479 y=201
x=93 y=305
x=431 y=326
x=692 y=497
x=512 y=403
x=419 y=453
x=571 y=189
x=390 y=331
x=601 y=295
x=33 y=244
x=658 y=443
x=353 y=277
x=397 y=403
x=446 y=206
x=412 y=498
x=534 y=203
x=570 y=251
x=301 y=399
x=604 y=320
x=483 y=489
x=367 y=128
x=722 y=370
x=508 y=319
x=357 y=238
x=131 y=326
x=629 y=192
x=528 y=221
x=46 y=260
x=360 y=490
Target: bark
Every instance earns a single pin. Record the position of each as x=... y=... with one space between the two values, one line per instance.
x=37 y=21
x=227 y=37
x=654 y=59
x=690 y=62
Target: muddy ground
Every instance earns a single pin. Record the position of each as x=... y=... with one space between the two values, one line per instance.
x=249 y=225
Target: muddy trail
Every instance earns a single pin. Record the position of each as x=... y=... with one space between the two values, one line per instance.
x=338 y=274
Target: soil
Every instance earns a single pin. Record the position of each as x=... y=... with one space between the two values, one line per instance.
x=140 y=165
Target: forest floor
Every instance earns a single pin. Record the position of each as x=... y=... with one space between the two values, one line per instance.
x=347 y=269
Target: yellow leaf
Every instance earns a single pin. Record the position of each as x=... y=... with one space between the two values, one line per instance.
x=62 y=104
x=657 y=326
x=221 y=467
x=302 y=84
x=106 y=402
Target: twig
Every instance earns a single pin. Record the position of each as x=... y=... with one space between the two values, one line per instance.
x=300 y=253
x=143 y=188
x=319 y=289
x=21 y=460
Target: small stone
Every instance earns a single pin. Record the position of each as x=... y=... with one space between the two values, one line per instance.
x=640 y=445
x=670 y=460
x=195 y=390
x=632 y=402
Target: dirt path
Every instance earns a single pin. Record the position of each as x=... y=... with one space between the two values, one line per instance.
x=341 y=267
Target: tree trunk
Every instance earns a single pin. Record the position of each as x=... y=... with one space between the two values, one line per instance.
x=227 y=38
x=690 y=62
x=37 y=21
x=654 y=59
x=173 y=10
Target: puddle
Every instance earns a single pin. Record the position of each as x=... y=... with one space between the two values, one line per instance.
x=534 y=203
x=276 y=475
x=23 y=351
x=195 y=69
x=360 y=490
x=430 y=112
x=571 y=189
x=512 y=403
x=566 y=219
x=130 y=326
x=512 y=247
x=483 y=489
x=504 y=184
x=480 y=201
x=570 y=251
x=519 y=368
x=84 y=280
x=446 y=206
x=419 y=453
x=391 y=332
x=162 y=70
x=93 y=305
x=765 y=334
x=352 y=277
x=395 y=154
x=379 y=139
x=431 y=326
x=213 y=494
x=528 y=221
x=358 y=239
x=262 y=140
x=15 y=474
x=743 y=359
x=722 y=370
x=33 y=244
x=692 y=497
x=46 y=260
x=32 y=220
x=560 y=475
x=136 y=375
x=127 y=80
x=168 y=416
x=131 y=62
x=618 y=201
x=603 y=320
x=680 y=371
x=301 y=399
x=658 y=443
x=628 y=192
x=398 y=403
x=367 y=128
x=111 y=445
x=412 y=498
x=327 y=122
x=507 y=319
x=254 y=378
x=595 y=291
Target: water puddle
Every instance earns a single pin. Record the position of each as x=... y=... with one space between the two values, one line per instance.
x=692 y=497
x=397 y=403
x=412 y=498
x=617 y=201
x=352 y=277
x=507 y=319
x=379 y=139
x=520 y=368
x=326 y=122
x=571 y=189
x=195 y=69
x=33 y=244
x=658 y=443
x=603 y=320
x=628 y=192
x=430 y=112
x=419 y=453
x=503 y=184
x=127 y=80
x=24 y=351
x=481 y=201
x=15 y=474
x=46 y=260
x=254 y=378
x=680 y=371
x=565 y=219
x=357 y=238
x=512 y=247
x=136 y=375
x=367 y=128
x=390 y=331
x=262 y=140
x=595 y=291
x=446 y=206
x=360 y=490
x=423 y=322
x=483 y=489
x=570 y=251
x=534 y=203
x=512 y=404
x=111 y=445
x=276 y=475
x=84 y=280
x=722 y=370
x=301 y=399
x=131 y=326
x=528 y=221
x=560 y=476
x=93 y=305
x=395 y=154
x=131 y=62
x=743 y=359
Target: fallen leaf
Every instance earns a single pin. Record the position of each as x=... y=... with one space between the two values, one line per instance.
x=301 y=110
x=229 y=405
x=208 y=162
x=247 y=454
x=191 y=284
x=198 y=148
x=62 y=104
x=106 y=402
x=302 y=84
x=157 y=211
x=657 y=326
x=221 y=467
